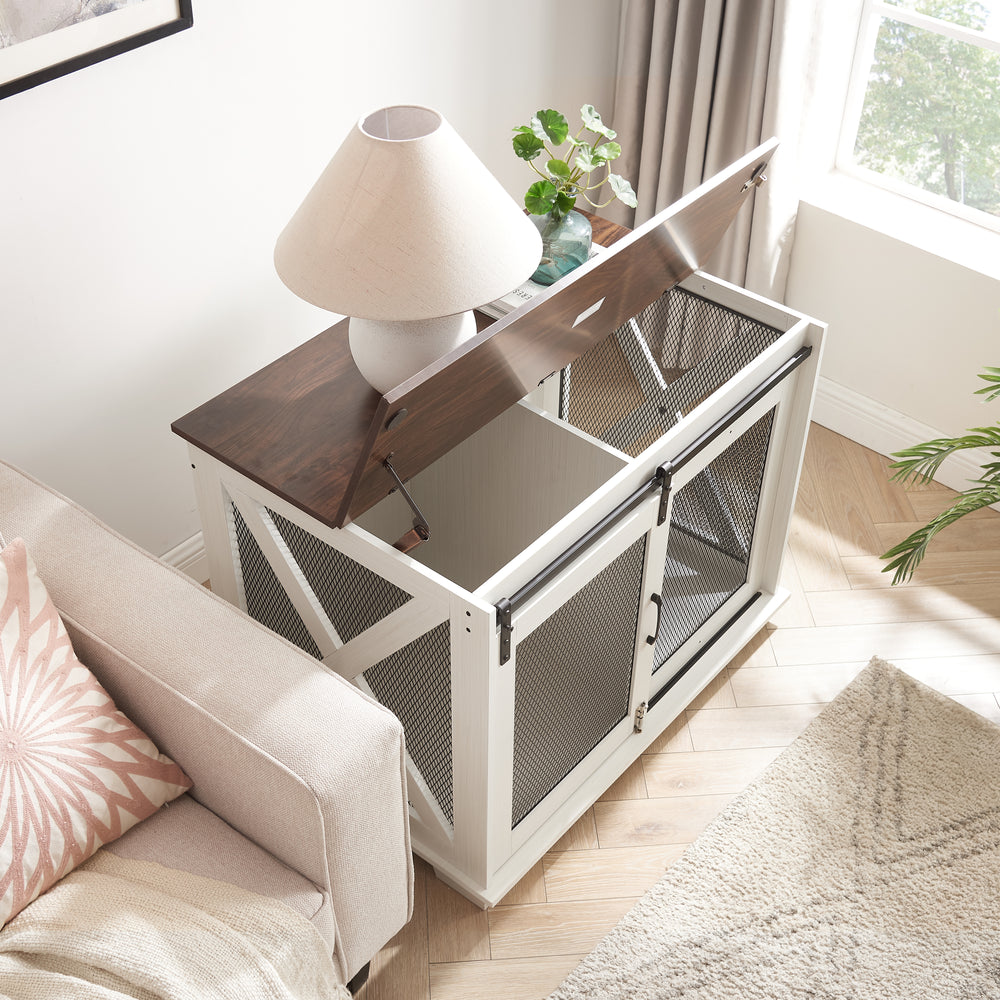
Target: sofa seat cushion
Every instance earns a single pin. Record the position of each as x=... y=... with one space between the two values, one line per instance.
x=187 y=836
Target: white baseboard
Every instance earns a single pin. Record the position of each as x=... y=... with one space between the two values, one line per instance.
x=189 y=557
x=885 y=430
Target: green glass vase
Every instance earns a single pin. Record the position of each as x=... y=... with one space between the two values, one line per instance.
x=565 y=245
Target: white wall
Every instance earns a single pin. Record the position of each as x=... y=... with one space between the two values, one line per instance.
x=142 y=197
x=913 y=317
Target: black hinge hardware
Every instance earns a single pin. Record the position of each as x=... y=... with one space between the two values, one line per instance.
x=505 y=613
x=396 y=419
x=664 y=475
x=756 y=178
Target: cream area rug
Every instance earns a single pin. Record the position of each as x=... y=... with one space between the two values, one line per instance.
x=863 y=864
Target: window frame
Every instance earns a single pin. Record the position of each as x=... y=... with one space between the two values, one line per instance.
x=864 y=53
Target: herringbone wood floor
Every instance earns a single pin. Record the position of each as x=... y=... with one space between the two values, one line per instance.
x=942 y=628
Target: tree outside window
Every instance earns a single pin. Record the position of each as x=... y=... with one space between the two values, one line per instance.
x=926 y=113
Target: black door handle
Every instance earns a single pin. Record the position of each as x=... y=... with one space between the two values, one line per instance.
x=658 y=601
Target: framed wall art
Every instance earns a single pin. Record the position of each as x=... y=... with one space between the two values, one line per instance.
x=44 y=39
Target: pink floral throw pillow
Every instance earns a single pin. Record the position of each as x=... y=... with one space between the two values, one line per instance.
x=74 y=772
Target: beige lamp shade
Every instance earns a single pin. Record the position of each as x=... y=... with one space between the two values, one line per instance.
x=405 y=223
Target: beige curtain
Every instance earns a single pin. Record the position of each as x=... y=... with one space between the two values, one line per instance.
x=701 y=82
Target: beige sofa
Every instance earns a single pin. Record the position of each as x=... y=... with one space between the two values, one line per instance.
x=299 y=784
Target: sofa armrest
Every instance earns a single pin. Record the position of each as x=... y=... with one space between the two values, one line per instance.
x=284 y=750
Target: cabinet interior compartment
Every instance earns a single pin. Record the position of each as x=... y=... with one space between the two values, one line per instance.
x=490 y=497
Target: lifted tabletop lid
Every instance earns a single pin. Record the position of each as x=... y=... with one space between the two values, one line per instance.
x=310 y=429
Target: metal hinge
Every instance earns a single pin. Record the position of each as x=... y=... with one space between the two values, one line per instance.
x=664 y=476
x=640 y=717
x=505 y=613
x=756 y=178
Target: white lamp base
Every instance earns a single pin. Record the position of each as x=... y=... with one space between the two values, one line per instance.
x=388 y=352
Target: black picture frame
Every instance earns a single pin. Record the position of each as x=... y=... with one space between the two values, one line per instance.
x=104 y=42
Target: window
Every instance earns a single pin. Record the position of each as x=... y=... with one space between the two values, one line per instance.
x=923 y=112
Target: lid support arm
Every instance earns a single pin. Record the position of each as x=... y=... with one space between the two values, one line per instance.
x=420 y=531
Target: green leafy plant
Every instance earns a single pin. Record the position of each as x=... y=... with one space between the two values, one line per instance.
x=569 y=175
x=921 y=463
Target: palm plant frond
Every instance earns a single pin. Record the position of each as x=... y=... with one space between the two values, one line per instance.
x=992 y=389
x=905 y=557
x=920 y=464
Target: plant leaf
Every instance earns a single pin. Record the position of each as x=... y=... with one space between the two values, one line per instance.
x=586 y=159
x=540 y=198
x=564 y=204
x=907 y=555
x=609 y=150
x=921 y=462
x=991 y=472
x=551 y=125
x=527 y=146
x=558 y=170
x=991 y=375
x=592 y=121
x=623 y=190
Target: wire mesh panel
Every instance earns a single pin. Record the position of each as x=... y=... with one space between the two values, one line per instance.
x=574 y=676
x=632 y=387
x=352 y=596
x=414 y=683
x=711 y=533
x=265 y=597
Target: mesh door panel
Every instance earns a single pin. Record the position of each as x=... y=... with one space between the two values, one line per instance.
x=711 y=531
x=265 y=597
x=414 y=683
x=632 y=387
x=574 y=676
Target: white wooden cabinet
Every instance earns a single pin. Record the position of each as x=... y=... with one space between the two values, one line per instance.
x=597 y=551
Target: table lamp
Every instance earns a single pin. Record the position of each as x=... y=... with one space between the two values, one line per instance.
x=405 y=232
